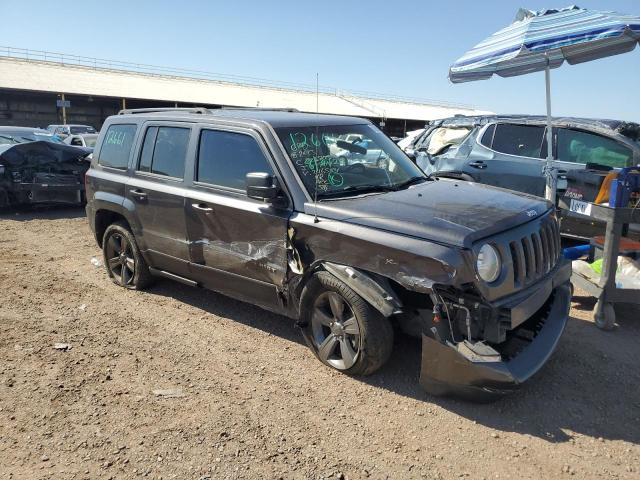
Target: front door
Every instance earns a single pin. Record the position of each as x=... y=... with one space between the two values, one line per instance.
x=237 y=244
x=157 y=191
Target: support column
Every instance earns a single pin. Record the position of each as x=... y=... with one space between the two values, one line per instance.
x=64 y=110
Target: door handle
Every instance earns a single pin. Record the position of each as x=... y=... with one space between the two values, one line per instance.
x=562 y=174
x=478 y=164
x=139 y=193
x=203 y=207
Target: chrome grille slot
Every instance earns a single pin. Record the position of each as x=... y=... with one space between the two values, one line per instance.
x=530 y=262
x=546 y=245
x=539 y=254
x=517 y=255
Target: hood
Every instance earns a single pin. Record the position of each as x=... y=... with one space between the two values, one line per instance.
x=445 y=211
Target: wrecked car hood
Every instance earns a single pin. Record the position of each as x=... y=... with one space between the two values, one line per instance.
x=24 y=154
x=446 y=211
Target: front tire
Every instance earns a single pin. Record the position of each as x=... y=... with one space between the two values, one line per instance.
x=342 y=329
x=122 y=258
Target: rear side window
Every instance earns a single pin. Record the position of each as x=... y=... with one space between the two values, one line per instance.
x=225 y=158
x=521 y=140
x=585 y=147
x=164 y=151
x=116 y=146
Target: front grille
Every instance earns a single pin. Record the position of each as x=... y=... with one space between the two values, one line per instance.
x=535 y=254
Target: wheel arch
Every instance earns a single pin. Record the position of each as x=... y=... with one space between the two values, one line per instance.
x=374 y=289
x=105 y=217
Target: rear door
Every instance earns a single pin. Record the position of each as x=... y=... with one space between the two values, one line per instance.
x=237 y=244
x=156 y=190
x=514 y=160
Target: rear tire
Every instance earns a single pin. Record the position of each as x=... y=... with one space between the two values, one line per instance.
x=342 y=329
x=122 y=258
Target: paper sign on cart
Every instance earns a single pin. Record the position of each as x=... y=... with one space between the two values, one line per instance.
x=578 y=206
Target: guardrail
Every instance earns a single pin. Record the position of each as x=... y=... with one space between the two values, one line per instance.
x=156 y=70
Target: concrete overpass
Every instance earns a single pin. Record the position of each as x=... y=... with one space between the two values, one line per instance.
x=33 y=85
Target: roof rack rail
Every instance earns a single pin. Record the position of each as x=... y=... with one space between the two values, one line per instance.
x=200 y=110
x=264 y=109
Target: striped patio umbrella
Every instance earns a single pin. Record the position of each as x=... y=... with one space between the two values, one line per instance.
x=543 y=40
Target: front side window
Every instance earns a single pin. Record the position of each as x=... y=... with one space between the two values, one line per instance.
x=337 y=160
x=584 y=147
x=520 y=140
x=225 y=158
x=441 y=139
x=164 y=151
x=116 y=146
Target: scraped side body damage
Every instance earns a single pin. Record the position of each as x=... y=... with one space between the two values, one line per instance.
x=411 y=262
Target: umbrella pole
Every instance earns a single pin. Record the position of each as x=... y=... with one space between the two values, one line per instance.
x=549 y=171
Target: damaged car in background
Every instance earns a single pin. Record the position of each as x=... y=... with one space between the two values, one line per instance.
x=253 y=204
x=510 y=151
x=37 y=167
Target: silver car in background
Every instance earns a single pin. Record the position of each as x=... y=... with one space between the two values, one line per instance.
x=509 y=151
x=63 y=131
x=82 y=140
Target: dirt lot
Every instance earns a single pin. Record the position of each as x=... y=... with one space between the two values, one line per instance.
x=253 y=402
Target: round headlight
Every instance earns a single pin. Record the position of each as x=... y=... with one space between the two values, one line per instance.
x=488 y=263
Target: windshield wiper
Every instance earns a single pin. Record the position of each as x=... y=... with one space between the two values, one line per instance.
x=360 y=189
x=374 y=188
x=411 y=181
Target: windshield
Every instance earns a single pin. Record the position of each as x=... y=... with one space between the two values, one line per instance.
x=26 y=136
x=345 y=159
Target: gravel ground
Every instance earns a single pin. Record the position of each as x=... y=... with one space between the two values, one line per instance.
x=177 y=382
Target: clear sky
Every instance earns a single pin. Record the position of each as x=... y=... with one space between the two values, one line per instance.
x=398 y=47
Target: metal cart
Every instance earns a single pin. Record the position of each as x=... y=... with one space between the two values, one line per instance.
x=606 y=291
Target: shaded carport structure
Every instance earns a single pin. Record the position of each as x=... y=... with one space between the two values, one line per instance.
x=39 y=88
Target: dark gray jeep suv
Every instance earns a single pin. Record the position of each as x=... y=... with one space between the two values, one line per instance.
x=253 y=204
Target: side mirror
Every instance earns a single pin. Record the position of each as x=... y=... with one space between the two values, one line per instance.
x=261 y=186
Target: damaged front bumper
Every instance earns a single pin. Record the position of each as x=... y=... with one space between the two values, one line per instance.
x=478 y=372
x=30 y=193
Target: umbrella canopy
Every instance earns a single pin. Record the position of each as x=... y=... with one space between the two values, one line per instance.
x=543 y=40
x=537 y=40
